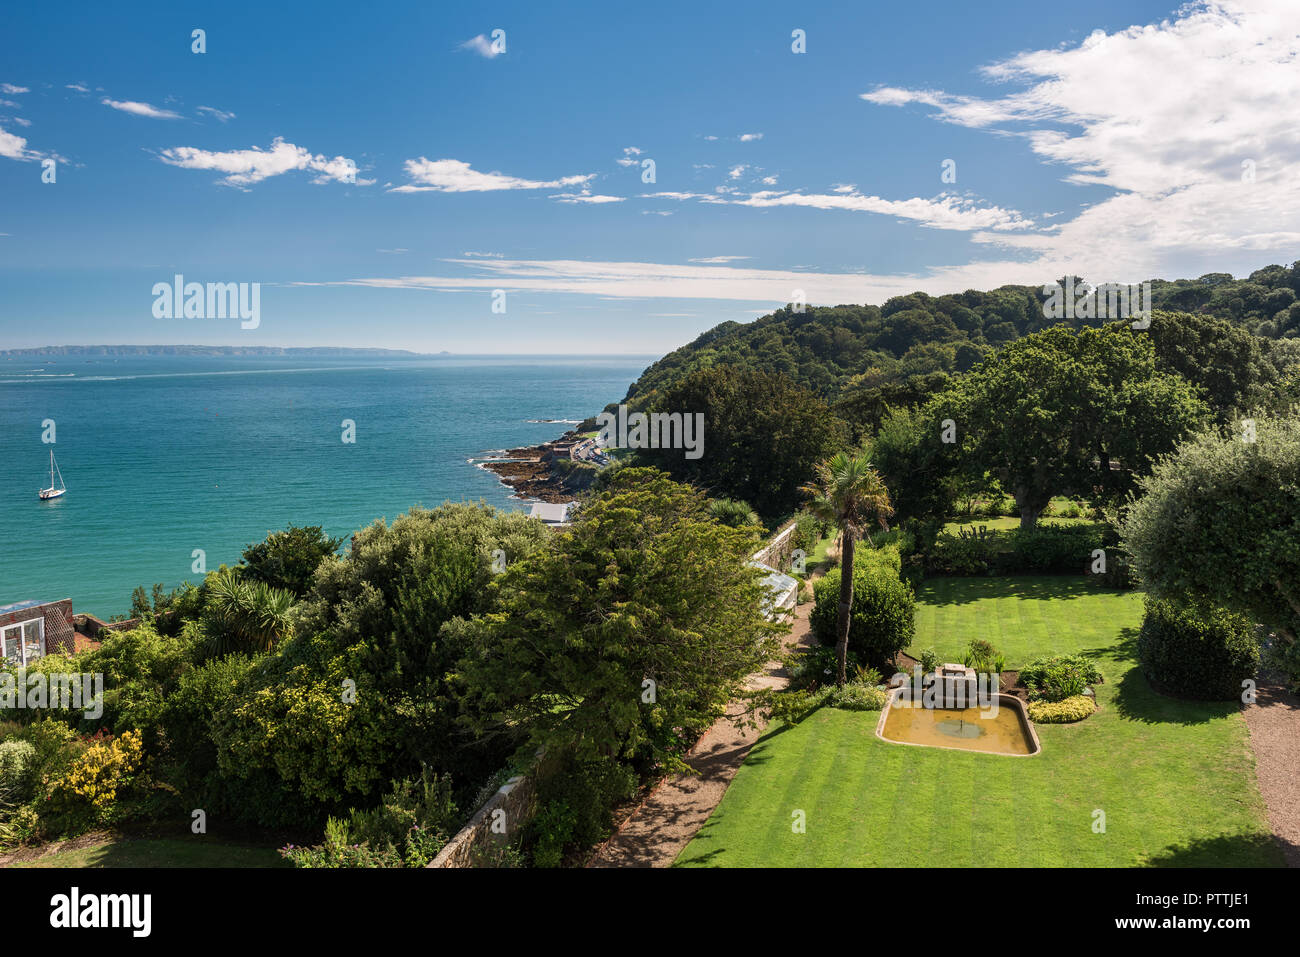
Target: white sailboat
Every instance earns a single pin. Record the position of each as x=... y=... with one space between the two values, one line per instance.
x=48 y=493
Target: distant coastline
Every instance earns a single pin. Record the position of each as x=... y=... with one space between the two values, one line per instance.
x=160 y=350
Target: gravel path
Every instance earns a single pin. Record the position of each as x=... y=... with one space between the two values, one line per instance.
x=1274 y=722
x=670 y=815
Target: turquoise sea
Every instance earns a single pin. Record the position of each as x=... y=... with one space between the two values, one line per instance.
x=165 y=455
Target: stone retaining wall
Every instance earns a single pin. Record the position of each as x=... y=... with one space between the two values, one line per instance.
x=498 y=821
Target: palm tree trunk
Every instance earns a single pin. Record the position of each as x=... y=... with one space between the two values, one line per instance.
x=846 y=603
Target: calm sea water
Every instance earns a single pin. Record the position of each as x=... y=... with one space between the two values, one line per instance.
x=165 y=455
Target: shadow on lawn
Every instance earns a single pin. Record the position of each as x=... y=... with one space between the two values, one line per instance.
x=962 y=591
x=1136 y=700
x=1235 y=850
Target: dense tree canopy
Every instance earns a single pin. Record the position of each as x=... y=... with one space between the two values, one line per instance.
x=629 y=636
x=762 y=436
x=1068 y=413
x=868 y=356
x=359 y=695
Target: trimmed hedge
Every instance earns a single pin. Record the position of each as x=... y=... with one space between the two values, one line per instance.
x=1197 y=652
x=1060 y=549
x=1072 y=709
x=884 y=607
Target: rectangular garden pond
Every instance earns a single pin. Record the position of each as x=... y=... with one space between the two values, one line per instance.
x=1004 y=730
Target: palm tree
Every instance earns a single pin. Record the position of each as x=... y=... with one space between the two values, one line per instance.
x=245 y=616
x=733 y=512
x=850 y=493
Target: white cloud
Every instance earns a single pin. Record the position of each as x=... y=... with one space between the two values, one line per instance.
x=629 y=158
x=737 y=171
x=243 y=168
x=79 y=87
x=221 y=116
x=769 y=180
x=1164 y=115
x=14 y=147
x=480 y=45
x=750 y=137
x=141 y=109
x=455 y=176
x=10 y=88
x=22 y=122
x=719 y=259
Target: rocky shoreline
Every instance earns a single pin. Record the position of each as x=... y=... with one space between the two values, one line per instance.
x=531 y=472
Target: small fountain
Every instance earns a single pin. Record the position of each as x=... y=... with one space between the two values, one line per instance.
x=945 y=709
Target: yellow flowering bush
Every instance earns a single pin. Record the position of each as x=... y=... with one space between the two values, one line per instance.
x=1075 y=708
x=91 y=786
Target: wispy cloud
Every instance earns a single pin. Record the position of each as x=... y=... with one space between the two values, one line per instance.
x=455 y=176
x=480 y=45
x=222 y=116
x=750 y=137
x=586 y=196
x=244 y=168
x=10 y=88
x=141 y=109
x=79 y=87
x=647 y=280
x=946 y=211
x=629 y=157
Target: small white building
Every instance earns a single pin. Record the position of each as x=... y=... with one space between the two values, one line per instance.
x=553 y=514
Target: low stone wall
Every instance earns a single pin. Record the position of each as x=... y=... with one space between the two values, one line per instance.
x=498 y=821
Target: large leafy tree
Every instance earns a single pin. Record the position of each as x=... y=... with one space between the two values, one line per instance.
x=288 y=558
x=850 y=493
x=923 y=475
x=1061 y=412
x=1220 y=520
x=628 y=637
x=762 y=436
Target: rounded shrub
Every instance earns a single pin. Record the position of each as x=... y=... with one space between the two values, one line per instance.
x=1197 y=651
x=884 y=606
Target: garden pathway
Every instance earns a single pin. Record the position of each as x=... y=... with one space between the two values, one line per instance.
x=1274 y=722
x=668 y=818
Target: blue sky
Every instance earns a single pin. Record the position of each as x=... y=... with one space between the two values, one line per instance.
x=380 y=171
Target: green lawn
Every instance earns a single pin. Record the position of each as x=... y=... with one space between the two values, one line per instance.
x=1024 y=617
x=197 y=851
x=819 y=551
x=1174 y=779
